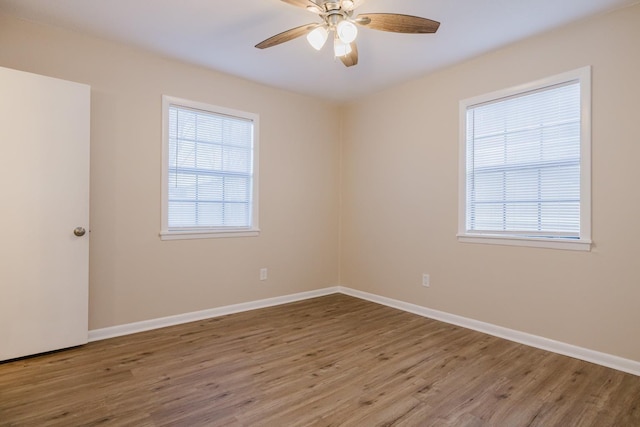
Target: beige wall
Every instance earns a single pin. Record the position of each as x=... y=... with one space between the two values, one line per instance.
x=400 y=196
x=135 y=276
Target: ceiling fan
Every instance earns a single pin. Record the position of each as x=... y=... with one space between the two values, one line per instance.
x=337 y=18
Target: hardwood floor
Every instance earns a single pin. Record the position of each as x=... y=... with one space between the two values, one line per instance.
x=329 y=361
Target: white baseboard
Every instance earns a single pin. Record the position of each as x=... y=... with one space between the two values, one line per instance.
x=604 y=359
x=147 y=325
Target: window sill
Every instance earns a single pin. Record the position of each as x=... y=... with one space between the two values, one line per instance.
x=550 y=243
x=207 y=234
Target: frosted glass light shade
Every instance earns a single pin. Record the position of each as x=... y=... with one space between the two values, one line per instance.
x=318 y=37
x=347 y=31
x=347 y=4
x=340 y=48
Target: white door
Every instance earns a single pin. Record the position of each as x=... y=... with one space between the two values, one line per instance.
x=44 y=196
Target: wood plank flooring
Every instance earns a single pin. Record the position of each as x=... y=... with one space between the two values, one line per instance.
x=329 y=361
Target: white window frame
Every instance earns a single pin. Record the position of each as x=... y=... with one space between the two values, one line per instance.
x=583 y=242
x=182 y=233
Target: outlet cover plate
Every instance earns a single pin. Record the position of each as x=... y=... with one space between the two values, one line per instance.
x=425 y=280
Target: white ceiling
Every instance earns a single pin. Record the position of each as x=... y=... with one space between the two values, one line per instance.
x=221 y=35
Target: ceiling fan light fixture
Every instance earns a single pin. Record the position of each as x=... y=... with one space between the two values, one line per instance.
x=347 y=4
x=337 y=21
x=318 y=37
x=341 y=48
x=347 y=31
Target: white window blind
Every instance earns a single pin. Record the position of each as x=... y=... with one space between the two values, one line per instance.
x=209 y=170
x=523 y=164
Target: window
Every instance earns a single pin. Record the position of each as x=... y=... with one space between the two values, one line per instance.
x=209 y=171
x=525 y=164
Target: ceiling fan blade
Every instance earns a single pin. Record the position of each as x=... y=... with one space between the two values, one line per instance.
x=351 y=59
x=305 y=4
x=397 y=23
x=288 y=35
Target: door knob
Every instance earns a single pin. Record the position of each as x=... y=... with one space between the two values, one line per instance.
x=79 y=231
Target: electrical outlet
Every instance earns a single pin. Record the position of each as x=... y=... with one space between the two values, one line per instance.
x=263 y=274
x=425 y=280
